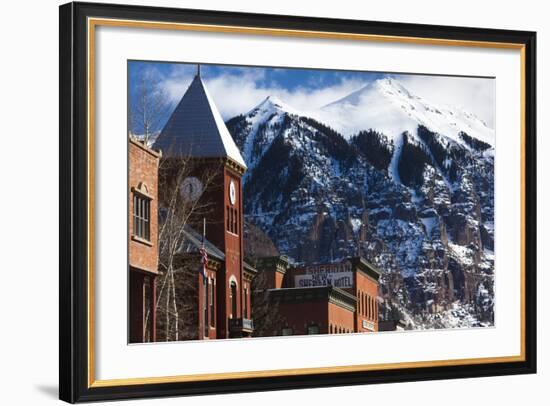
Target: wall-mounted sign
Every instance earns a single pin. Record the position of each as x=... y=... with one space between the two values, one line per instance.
x=369 y=325
x=337 y=275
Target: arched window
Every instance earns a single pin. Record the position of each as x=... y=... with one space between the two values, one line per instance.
x=141 y=214
x=233 y=298
x=287 y=331
x=313 y=329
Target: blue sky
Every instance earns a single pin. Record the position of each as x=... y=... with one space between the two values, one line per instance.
x=237 y=90
x=289 y=79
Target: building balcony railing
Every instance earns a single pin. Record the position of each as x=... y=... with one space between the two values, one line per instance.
x=241 y=326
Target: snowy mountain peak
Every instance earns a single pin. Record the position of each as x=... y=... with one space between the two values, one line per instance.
x=385 y=86
x=386 y=105
x=414 y=196
x=255 y=131
x=392 y=86
x=272 y=105
x=274 y=101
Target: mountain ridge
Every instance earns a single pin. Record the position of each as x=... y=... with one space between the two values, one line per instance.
x=386 y=104
x=418 y=204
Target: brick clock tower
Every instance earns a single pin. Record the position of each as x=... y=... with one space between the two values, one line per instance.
x=229 y=225
x=197 y=131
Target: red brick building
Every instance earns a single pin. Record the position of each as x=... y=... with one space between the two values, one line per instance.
x=143 y=240
x=339 y=297
x=214 y=298
x=196 y=134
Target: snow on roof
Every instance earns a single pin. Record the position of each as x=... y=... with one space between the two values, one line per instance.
x=197 y=129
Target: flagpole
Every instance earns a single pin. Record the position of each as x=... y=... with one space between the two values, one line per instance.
x=204 y=262
x=203 y=250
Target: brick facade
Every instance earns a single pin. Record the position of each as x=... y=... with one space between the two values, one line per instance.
x=340 y=297
x=224 y=235
x=143 y=180
x=142 y=246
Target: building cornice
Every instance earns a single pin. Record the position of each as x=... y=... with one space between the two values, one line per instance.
x=331 y=294
x=214 y=264
x=249 y=271
x=278 y=263
x=141 y=145
x=366 y=268
x=234 y=166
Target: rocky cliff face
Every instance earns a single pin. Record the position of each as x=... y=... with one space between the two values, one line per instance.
x=416 y=202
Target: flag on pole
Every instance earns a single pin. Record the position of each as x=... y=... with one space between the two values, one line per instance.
x=203 y=253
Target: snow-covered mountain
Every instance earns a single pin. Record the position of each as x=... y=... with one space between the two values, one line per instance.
x=387 y=106
x=401 y=182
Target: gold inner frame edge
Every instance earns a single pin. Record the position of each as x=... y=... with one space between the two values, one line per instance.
x=94 y=22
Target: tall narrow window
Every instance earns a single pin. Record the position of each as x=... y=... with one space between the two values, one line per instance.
x=368 y=307
x=371 y=312
x=228 y=226
x=142 y=216
x=245 y=303
x=233 y=297
x=211 y=301
x=205 y=308
x=147 y=317
x=232 y=220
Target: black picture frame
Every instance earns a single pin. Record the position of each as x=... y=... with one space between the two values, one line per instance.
x=74 y=384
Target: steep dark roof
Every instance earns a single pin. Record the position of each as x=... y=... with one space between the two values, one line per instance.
x=193 y=242
x=197 y=129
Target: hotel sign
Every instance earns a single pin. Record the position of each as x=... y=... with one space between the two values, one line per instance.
x=337 y=275
x=368 y=325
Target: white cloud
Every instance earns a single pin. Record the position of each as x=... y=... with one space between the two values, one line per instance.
x=241 y=89
x=239 y=92
x=177 y=82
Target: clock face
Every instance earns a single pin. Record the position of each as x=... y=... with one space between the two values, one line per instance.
x=232 y=192
x=191 y=189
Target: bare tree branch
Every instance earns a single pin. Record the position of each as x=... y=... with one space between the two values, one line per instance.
x=149 y=108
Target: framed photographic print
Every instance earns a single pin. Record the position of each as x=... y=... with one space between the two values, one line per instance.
x=255 y=202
